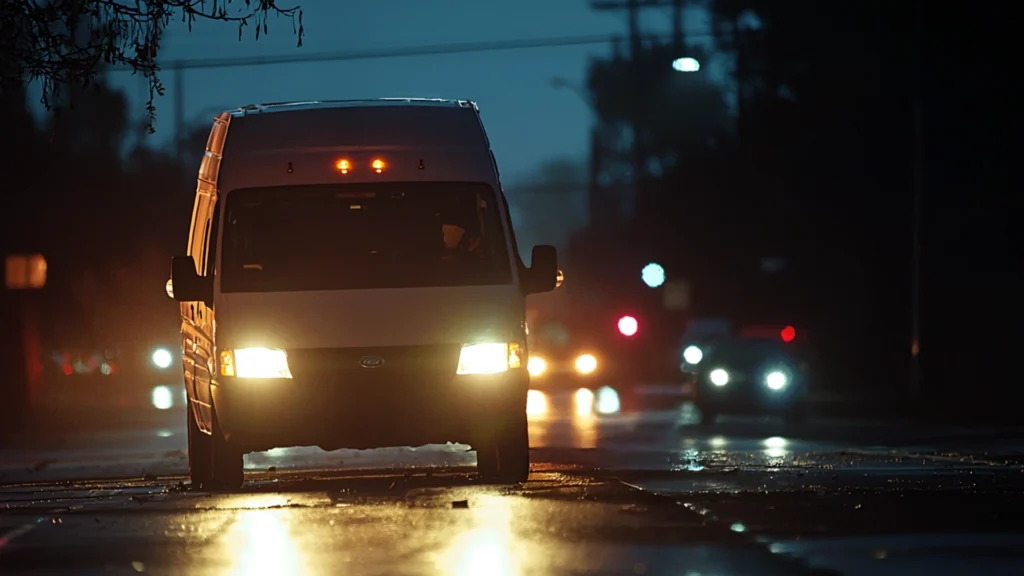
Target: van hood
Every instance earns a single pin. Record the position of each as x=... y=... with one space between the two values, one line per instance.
x=368 y=318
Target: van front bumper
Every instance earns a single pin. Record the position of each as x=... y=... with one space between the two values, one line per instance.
x=259 y=414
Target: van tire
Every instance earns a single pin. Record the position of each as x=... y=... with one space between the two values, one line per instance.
x=200 y=452
x=227 y=465
x=504 y=458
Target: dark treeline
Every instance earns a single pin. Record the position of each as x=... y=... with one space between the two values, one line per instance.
x=106 y=212
x=817 y=171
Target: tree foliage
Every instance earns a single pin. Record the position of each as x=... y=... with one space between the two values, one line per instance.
x=107 y=221
x=64 y=43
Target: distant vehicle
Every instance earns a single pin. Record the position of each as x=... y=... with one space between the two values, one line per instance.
x=700 y=337
x=141 y=365
x=585 y=345
x=359 y=263
x=751 y=376
x=137 y=376
x=564 y=355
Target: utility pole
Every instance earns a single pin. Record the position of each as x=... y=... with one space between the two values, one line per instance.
x=633 y=8
x=677 y=26
x=179 y=108
x=915 y=302
x=597 y=204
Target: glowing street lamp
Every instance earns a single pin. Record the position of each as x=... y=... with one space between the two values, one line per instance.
x=685 y=65
x=653 y=275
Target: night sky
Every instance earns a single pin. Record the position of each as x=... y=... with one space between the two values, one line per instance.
x=528 y=120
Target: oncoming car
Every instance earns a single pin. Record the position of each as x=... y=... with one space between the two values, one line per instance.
x=558 y=360
x=132 y=376
x=352 y=281
x=750 y=376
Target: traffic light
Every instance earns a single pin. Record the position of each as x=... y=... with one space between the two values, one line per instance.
x=788 y=334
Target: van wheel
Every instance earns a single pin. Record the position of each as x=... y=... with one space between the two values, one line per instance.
x=505 y=457
x=200 y=452
x=227 y=468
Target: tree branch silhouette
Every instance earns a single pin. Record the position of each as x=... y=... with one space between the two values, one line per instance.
x=64 y=43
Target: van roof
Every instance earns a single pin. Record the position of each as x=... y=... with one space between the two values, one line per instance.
x=371 y=103
x=419 y=139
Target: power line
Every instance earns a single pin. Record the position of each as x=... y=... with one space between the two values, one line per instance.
x=408 y=51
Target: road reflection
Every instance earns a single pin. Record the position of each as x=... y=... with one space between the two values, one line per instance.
x=582 y=411
x=487 y=546
x=775 y=447
x=261 y=539
x=262 y=543
x=543 y=405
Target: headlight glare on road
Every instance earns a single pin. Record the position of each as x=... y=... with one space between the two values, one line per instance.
x=693 y=355
x=255 y=363
x=488 y=358
x=586 y=363
x=719 y=377
x=536 y=403
x=584 y=400
x=162 y=358
x=776 y=380
x=536 y=365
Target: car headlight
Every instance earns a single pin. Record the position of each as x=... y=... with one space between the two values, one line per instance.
x=536 y=366
x=162 y=358
x=489 y=358
x=776 y=380
x=693 y=355
x=255 y=363
x=586 y=363
x=719 y=377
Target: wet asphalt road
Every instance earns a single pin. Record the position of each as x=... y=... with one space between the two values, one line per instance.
x=623 y=487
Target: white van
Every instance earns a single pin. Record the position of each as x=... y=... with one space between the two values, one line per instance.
x=352 y=281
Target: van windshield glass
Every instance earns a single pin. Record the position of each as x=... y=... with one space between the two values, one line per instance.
x=362 y=236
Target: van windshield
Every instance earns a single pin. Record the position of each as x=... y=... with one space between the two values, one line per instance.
x=362 y=236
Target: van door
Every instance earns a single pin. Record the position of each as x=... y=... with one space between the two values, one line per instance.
x=198 y=321
x=203 y=346
x=195 y=334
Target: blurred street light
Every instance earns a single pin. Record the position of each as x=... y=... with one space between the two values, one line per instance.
x=686 y=65
x=653 y=275
x=25 y=271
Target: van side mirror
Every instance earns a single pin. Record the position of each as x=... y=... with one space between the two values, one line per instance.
x=542 y=276
x=189 y=286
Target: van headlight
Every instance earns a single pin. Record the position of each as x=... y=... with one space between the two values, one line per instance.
x=489 y=358
x=255 y=363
